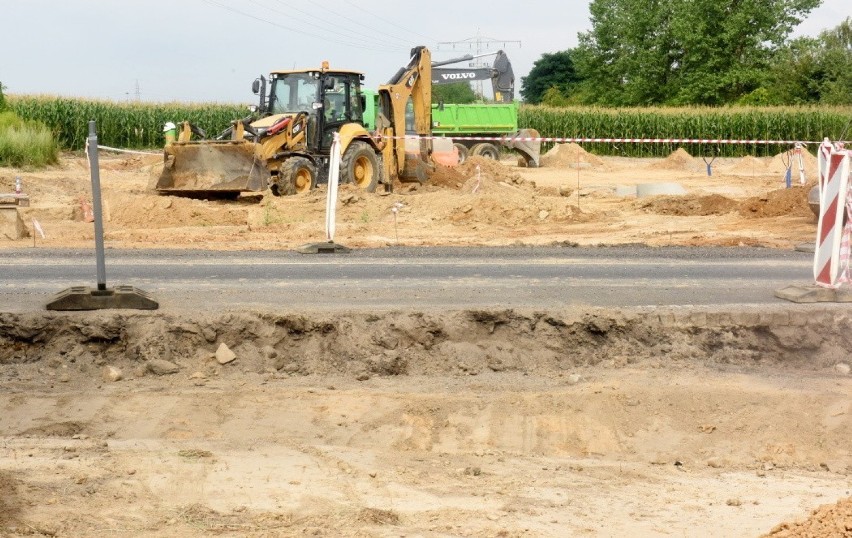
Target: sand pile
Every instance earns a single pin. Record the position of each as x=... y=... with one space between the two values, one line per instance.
x=748 y=165
x=689 y=205
x=827 y=520
x=170 y=211
x=778 y=203
x=565 y=155
x=466 y=173
x=678 y=160
x=779 y=164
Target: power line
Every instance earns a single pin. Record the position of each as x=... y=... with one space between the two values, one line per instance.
x=395 y=23
x=296 y=30
x=382 y=31
x=329 y=27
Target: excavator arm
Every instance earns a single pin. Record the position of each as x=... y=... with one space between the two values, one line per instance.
x=405 y=120
x=500 y=73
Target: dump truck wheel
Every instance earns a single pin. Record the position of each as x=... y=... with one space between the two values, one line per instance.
x=297 y=175
x=486 y=150
x=463 y=152
x=360 y=166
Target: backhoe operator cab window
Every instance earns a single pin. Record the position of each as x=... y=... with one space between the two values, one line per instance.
x=294 y=92
x=342 y=99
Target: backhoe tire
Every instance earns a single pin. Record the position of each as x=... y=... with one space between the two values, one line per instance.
x=463 y=152
x=297 y=175
x=360 y=166
x=486 y=150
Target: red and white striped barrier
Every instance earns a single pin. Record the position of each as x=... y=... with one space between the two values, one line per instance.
x=585 y=140
x=834 y=197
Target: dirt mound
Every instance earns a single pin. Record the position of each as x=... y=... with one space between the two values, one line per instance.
x=689 y=205
x=778 y=203
x=564 y=155
x=749 y=165
x=678 y=160
x=447 y=177
x=779 y=164
x=474 y=171
x=830 y=520
x=172 y=211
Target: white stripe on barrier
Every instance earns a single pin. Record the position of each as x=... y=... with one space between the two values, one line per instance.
x=832 y=206
x=560 y=140
x=581 y=140
x=119 y=150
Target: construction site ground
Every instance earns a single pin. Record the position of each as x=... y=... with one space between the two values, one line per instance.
x=731 y=421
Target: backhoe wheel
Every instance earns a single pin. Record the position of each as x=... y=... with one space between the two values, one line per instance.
x=360 y=166
x=463 y=152
x=297 y=175
x=486 y=150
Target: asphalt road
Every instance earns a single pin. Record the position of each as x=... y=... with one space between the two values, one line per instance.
x=423 y=278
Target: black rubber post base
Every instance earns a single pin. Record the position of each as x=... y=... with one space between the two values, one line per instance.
x=85 y=298
x=329 y=247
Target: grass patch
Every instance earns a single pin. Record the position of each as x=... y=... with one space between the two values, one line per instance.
x=25 y=143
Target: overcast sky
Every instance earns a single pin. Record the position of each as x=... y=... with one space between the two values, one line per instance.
x=211 y=50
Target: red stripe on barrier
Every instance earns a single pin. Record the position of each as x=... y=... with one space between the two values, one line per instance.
x=830 y=221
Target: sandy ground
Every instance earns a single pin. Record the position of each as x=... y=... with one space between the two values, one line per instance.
x=469 y=424
x=574 y=198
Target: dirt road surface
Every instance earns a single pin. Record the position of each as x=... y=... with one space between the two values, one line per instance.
x=610 y=422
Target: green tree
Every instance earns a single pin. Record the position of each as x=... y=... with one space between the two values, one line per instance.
x=814 y=70
x=552 y=70
x=709 y=52
x=2 y=99
x=456 y=93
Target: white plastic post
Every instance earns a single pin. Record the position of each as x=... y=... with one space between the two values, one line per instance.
x=333 y=181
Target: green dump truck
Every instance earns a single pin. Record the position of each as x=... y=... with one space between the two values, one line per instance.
x=468 y=124
x=480 y=128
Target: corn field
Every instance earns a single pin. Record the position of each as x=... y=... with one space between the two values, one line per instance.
x=139 y=125
x=125 y=125
x=742 y=123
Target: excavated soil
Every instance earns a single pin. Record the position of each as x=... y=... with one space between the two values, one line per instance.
x=597 y=422
x=481 y=202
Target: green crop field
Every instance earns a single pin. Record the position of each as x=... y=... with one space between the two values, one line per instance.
x=133 y=125
x=139 y=125
x=740 y=123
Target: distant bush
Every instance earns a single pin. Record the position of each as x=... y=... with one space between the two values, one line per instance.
x=25 y=143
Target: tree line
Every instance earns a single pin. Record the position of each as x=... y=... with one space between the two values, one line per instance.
x=696 y=52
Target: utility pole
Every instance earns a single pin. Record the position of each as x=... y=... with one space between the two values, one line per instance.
x=478 y=44
x=138 y=91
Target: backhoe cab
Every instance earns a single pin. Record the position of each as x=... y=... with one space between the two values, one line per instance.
x=286 y=144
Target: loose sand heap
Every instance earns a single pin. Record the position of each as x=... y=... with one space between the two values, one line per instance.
x=565 y=155
x=475 y=170
x=749 y=165
x=778 y=203
x=779 y=164
x=678 y=160
x=828 y=521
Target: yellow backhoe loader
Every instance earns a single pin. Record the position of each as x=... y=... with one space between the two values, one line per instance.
x=285 y=145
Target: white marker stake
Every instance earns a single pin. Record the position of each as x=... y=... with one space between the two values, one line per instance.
x=333 y=180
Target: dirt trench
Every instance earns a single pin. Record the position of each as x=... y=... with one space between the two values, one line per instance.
x=642 y=422
x=416 y=343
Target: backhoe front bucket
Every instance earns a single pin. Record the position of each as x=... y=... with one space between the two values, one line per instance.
x=526 y=142
x=212 y=167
